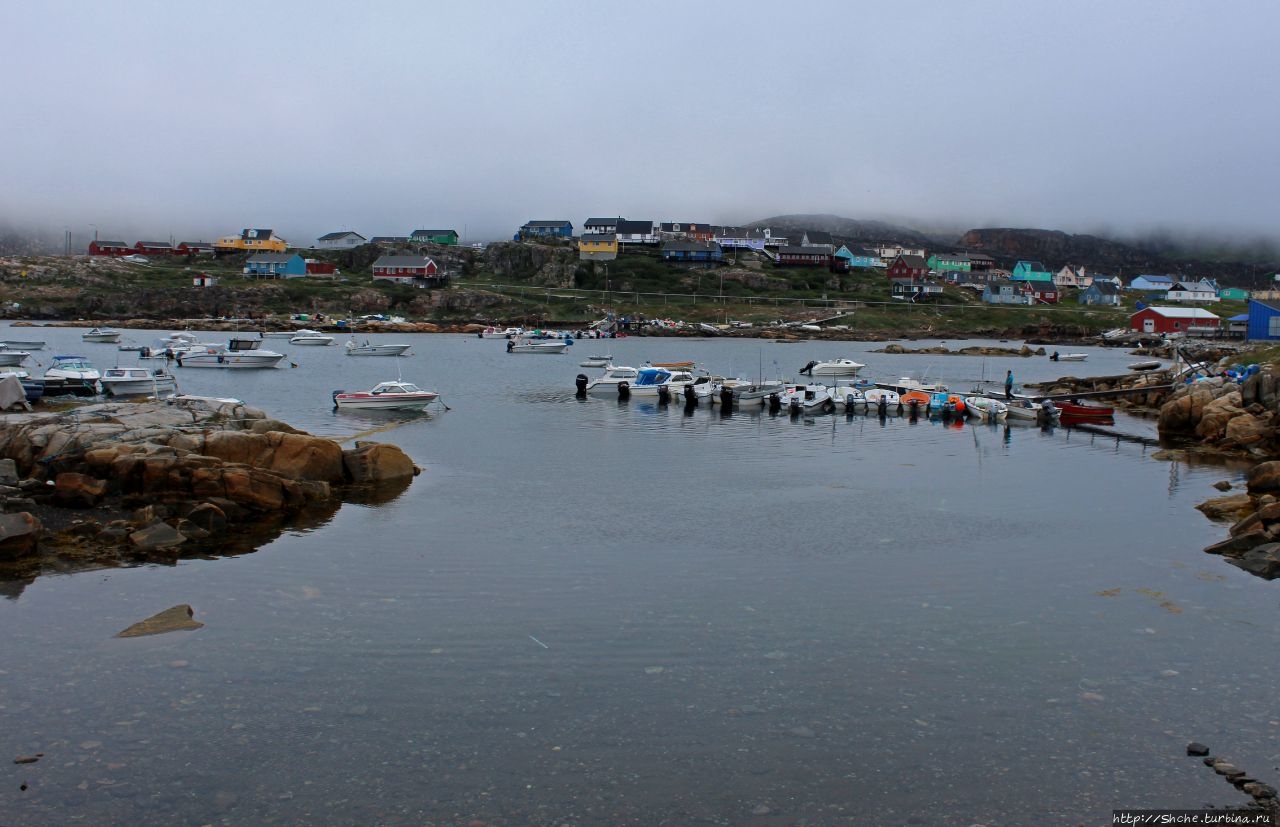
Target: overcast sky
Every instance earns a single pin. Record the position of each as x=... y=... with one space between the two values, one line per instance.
x=198 y=119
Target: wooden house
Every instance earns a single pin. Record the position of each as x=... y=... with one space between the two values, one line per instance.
x=445 y=238
x=601 y=226
x=981 y=262
x=419 y=271
x=1151 y=285
x=1192 y=291
x=597 y=246
x=1072 y=277
x=1102 y=293
x=687 y=230
x=817 y=238
x=154 y=248
x=858 y=257
x=943 y=263
x=195 y=248
x=253 y=240
x=1039 y=291
x=1003 y=291
x=546 y=229
x=1233 y=294
x=800 y=256
x=910 y=267
x=739 y=238
x=322 y=269
x=636 y=232
x=275 y=266
x=1031 y=271
x=916 y=290
x=110 y=248
x=706 y=253
x=1188 y=320
x=341 y=240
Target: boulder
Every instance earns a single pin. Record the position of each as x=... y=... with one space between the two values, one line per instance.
x=377 y=462
x=1230 y=507
x=156 y=536
x=9 y=472
x=19 y=535
x=174 y=619
x=1215 y=416
x=79 y=490
x=1238 y=544
x=1264 y=478
x=1263 y=560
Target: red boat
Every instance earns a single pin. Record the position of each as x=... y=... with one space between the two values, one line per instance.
x=1079 y=411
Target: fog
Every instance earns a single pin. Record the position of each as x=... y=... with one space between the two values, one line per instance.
x=140 y=120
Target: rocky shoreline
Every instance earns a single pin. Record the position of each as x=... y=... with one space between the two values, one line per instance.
x=125 y=483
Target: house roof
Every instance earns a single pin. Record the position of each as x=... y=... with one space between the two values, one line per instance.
x=1197 y=286
x=1180 y=312
x=631 y=227
x=690 y=246
x=390 y=239
x=402 y=261
x=953 y=256
x=999 y=283
x=914 y=262
x=205 y=244
x=794 y=250
x=155 y=244
x=684 y=226
x=1155 y=279
x=1033 y=266
x=538 y=224
x=271 y=258
x=338 y=235
x=1107 y=288
x=1270 y=305
x=818 y=237
x=432 y=233
x=112 y=244
x=1038 y=285
x=602 y=222
x=251 y=233
x=598 y=237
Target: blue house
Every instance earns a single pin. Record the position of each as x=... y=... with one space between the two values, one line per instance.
x=1152 y=284
x=1030 y=271
x=546 y=229
x=707 y=253
x=275 y=266
x=1100 y=292
x=1264 y=320
x=858 y=257
x=1004 y=292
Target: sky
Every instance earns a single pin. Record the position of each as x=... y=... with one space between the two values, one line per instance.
x=194 y=120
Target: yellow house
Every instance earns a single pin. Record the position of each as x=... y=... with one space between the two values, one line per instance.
x=598 y=247
x=258 y=241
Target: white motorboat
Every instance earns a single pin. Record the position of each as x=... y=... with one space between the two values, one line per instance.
x=538 y=346
x=708 y=329
x=12 y=358
x=1068 y=357
x=833 y=367
x=501 y=332
x=101 y=334
x=137 y=381
x=315 y=339
x=607 y=383
x=23 y=344
x=287 y=334
x=809 y=399
x=72 y=367
x=986 y=409
x=596 y=362
x=1028 y=411
x=367 y=348
x=238 y=353
x=848 y=397
x=890 y=398
x=388 y=396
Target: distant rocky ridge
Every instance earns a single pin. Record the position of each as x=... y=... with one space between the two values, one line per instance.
x=845 y=229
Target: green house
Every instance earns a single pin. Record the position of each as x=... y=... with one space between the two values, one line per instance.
x=1031 y=271
x=1233 y=294
x=448 y=238
x=949 y=262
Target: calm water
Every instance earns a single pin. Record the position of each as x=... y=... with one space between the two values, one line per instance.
x=585 y=613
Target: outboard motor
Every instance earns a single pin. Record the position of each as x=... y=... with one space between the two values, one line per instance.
x=690 y=396
x=510 y=345
x=915 y=409
x=794 y=407
x=882 y=407
x=809 y=367
x=849 y=404
x=899 y=407
x=624 y=391
x=726 y=398
x=480 y=335
x=775 y=403
x=664 y=395
x=581 y=384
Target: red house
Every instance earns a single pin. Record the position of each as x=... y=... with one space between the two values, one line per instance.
x=804 y=256
x=109 y=248
x=1039 y=292
x=911 y=268
x=406 y=270
x=195 y=248
x=321 y=268
x=153 y=248
x=1188 y=320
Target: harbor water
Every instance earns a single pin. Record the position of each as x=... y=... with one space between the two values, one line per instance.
x=587 y=612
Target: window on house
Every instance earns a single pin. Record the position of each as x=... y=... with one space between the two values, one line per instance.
x=1273 y=326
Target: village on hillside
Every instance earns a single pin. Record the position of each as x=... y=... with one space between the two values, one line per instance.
x=1169 y=304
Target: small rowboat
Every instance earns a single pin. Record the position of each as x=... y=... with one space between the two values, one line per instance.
x=1079 y=411
x=1068 y=357
x=1153 y=364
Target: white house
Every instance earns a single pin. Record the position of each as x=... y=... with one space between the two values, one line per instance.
x=343 y=240
x=1192 y=291
x=1070 y=277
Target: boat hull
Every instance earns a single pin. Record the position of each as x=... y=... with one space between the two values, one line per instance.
x=138 y=387
x=384 y=402
x=12 y=358
x=539 y=347
x=377 y=350
x=229 y=360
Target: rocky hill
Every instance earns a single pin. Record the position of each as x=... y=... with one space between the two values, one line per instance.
x=844 y=229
